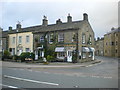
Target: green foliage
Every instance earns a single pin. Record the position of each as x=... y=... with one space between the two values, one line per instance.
x=74 y=57
x=15 y=57
x=27 y=55
x=6 y=54
x=50 y=58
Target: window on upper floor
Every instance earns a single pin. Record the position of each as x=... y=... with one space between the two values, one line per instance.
x=20 y=39
x=51 y=37
x=42 y=39
x=106 y=43
x=61 y=37
x=27 y=39
x=13 y=40
x=83 y=38
x=90 y=40
x=112 y=43
x=116 y=43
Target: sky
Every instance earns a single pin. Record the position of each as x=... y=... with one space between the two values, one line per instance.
x=102 y=14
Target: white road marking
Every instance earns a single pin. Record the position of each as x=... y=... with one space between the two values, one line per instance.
x=30 y=80
x=107 y=77
x=8 y=86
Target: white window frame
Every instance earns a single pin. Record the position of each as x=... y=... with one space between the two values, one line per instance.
x=20 y=39
x=50 y=37
x=61 y=37
x=27 y=39
x=83 y=38
x=13 y=40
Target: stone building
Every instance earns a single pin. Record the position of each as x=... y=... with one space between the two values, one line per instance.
x=99 y=47
x=112 y=43
x=20 y=40
x=3 y=40
x=62 y=38
x=65 y=38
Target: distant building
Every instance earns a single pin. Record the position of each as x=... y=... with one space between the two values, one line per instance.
x=3 y=40
x=112 y=43
x=99 y=47
x=63 y=38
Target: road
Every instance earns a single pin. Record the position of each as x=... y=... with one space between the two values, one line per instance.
x=102 y=75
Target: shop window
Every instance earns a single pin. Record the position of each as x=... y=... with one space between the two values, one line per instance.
x=84 y=55
x=61 y=54
x=90 y=54
x=27 y=49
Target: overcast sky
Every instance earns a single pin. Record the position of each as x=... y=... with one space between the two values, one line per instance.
x=103 y=14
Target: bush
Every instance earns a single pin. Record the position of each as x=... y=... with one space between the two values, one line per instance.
x=50 y=58
x=15 y=57
x=6 y=54
x=27 y=55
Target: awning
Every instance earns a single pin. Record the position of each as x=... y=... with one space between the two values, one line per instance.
x=85 y=49
x=59 y=49
x=91 y=49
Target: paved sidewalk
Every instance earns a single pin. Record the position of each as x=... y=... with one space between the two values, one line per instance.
x=41 y=65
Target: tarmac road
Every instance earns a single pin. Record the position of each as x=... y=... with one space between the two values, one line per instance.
x=102 y=75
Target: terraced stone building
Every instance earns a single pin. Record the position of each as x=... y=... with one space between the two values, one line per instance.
x=63 y=39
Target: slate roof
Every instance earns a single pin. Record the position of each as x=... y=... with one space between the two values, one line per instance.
x=4 y=34
x=113 y=31
x=51 y=27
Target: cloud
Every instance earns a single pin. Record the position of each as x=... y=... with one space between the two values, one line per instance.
x=102 y=14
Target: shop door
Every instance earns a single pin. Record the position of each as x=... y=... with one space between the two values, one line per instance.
x=69 y=56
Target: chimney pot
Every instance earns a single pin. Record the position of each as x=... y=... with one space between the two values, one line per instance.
x=85 y=16
x=58 y=21
x=45 y=21
x=69 y=18
x=10 y=28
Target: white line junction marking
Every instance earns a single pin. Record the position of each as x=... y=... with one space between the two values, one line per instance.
x=30 y=80
x=8 y=86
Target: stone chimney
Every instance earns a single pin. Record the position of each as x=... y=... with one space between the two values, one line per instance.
x=85 y=16
x=58 y=21
x=112 y=28
x=69 y=18
x=18 y=26
x=45 y=21
x=9 y=28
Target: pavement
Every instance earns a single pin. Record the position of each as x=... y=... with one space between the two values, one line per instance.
x=53 y=64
